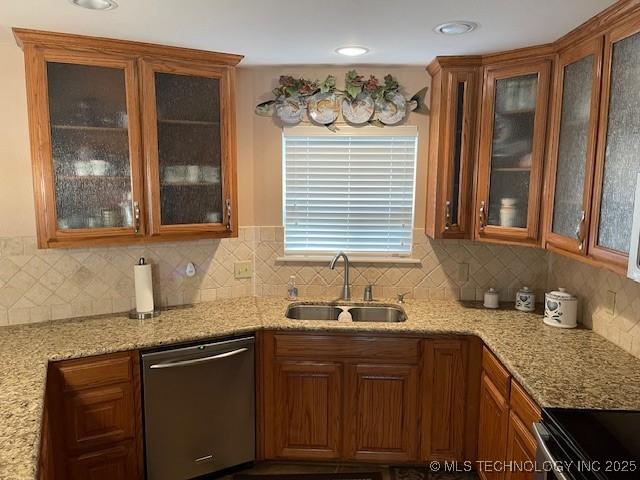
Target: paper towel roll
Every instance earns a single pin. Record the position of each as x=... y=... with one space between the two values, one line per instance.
x=144 y=287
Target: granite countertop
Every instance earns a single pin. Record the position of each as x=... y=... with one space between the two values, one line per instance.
x=559 y=368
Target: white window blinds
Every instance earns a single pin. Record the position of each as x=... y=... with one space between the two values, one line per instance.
x=352 y=190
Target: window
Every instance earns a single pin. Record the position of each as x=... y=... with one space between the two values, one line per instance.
x=352 y=190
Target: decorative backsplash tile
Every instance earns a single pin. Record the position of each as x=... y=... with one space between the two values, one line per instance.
x=592 y=286
x=41 y=285
x=441 y=273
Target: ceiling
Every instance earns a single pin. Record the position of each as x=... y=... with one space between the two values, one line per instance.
x=274 y=32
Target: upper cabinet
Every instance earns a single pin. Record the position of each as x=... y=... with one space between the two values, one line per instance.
x=189 y=147
x=618 y=158
x=454 y=88
x=572 y=147
x=511 y=151
x=129 y=142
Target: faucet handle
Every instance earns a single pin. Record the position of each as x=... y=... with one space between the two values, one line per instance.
x=401 y=296
x=368 y=293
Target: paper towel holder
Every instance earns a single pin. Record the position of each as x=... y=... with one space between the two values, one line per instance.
x=134 y=314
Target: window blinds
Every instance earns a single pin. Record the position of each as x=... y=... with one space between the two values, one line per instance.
x=351 y=191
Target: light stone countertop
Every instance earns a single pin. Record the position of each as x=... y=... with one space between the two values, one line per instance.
x=559 y=368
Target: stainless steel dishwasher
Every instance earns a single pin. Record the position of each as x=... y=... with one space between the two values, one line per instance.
x=199 y=408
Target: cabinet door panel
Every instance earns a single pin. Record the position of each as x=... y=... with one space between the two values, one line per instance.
x=308 y=412
x=512 y=152
x=492 y=434
x=116 y=463
x=573 y=147
x=98 y=416
x=381 y=421
x=188 y=128
x=521 y=450
x=87 y=168
x=618 y=162
x=444 y=400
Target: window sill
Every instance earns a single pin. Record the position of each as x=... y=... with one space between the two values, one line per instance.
x=352 y=259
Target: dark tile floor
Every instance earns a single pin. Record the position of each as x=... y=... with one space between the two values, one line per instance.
x=388 y=473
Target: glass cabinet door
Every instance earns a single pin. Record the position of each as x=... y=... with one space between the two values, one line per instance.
x=573 y=147
x=188 y=150
x=618 y=161
x=459 y=168
x=511 y=152
x=94 y=144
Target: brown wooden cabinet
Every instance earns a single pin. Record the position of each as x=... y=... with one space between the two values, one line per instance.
x=572 y=148
x=452 y=140
x=100 y=110
x=506 y=446
x=381 y=412
x=449 y=398
x=307 y=409
x=93 y=422
x=492 y=432
x=367 y=398
x=511 y=151
x=617 y=164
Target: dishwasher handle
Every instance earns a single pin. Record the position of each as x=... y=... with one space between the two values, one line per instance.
x=195 y=361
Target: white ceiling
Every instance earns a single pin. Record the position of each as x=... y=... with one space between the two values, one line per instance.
x=273 y=32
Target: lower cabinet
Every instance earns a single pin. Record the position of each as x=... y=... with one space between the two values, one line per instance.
x=506 y=446
x=366 y=398
x=93 y=420
x=117 y=462
x=308 y=409
x=381 y=412
x=492 y=437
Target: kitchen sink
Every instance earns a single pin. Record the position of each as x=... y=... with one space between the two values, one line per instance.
x=359 y=312
x=377 y=313
x=313 y=312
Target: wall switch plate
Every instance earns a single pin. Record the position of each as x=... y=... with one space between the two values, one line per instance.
x=463 y=272
x=611 y=302
x=243 y=269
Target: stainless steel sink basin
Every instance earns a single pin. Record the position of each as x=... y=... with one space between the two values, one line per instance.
x=313 y=312
x=359 y=312
x=377 y=313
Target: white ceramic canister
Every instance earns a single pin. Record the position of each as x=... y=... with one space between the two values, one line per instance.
x=491 y=299
x=525 y=300
x=560 y=309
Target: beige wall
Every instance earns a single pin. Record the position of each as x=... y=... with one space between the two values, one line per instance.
x=257 y=83
x=16 y=192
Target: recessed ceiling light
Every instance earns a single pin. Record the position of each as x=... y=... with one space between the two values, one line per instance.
x=457 y=27
x=95 y=4
x=352 y=51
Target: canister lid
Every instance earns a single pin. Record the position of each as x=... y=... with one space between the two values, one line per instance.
x=562 y=294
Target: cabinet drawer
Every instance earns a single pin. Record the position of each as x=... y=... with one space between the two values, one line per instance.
x=88 y=372
x=402 y=350
x=496 y=372
x=99 y=416
x=115 y=463
x=523 y=406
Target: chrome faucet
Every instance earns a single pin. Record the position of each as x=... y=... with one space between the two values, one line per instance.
x=346 y=289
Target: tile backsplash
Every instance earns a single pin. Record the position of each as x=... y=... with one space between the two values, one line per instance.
x=41 y=285
x=448 y=269
x=616 y=317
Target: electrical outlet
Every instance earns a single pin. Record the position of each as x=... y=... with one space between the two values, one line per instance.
x=611 y=302
x=463 y=272
x=243 y=269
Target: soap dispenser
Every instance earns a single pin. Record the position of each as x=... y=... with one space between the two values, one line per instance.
x=292 y=290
